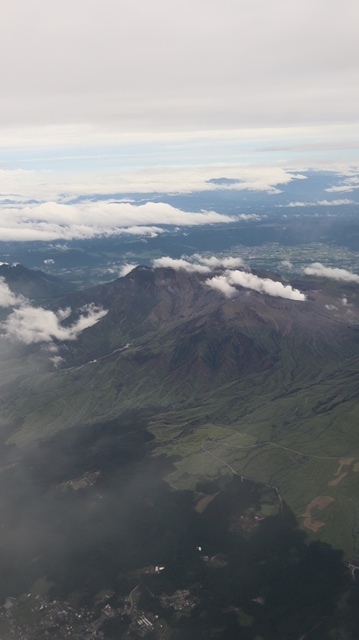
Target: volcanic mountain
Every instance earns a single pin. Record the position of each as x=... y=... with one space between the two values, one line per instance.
x=255 y=385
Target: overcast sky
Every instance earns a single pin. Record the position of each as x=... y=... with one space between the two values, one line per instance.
x=104 y=91
x=171 y=64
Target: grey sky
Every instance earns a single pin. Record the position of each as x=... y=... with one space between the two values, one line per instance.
x=179 y=65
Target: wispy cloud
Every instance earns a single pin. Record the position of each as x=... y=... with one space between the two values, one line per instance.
x=319 y=269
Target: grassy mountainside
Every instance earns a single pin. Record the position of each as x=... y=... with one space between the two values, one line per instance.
x=261 y=387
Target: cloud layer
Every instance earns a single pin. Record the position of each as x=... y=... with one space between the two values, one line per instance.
x=319 y=269
x=29 y=325
x=52 y=220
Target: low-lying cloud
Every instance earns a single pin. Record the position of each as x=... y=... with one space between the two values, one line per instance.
x=227 y=282
x=319 y=269
x=29 y=324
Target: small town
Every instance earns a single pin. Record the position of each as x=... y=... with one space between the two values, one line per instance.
x=38 y=617
x=35 y=617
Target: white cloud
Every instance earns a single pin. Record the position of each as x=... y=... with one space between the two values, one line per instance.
x=342 y=188
x=227 y=282
x=253 y=216
x=56 y=361
x=222 y=284
x=213 y=261
x=52 y=220
x=20 y=185
x=251 y=281
x=7 y=297
x=198 y=263
x=150 y=232
x=180 y=265
x=319 y=269
x=334 y=203
x=321 y=203
x=349 y=183
x=127 y=268
x=34 y=324
x=30 y=324
x=286 y=264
